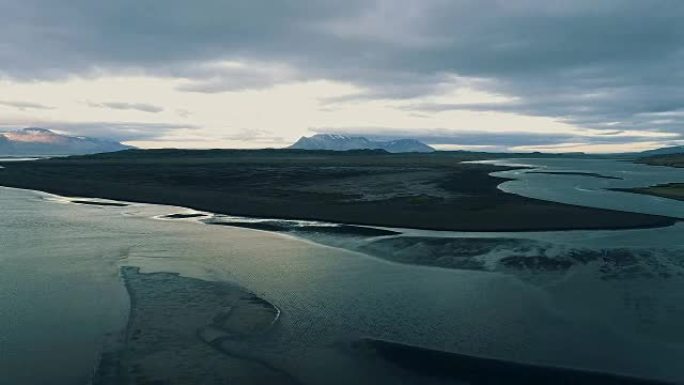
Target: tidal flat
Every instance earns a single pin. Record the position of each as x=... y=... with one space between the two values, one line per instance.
x=182 y=330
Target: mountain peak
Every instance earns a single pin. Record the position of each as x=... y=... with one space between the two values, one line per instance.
x=36 y=130
x=41 y=141
x=331 y=136
x=335 y=142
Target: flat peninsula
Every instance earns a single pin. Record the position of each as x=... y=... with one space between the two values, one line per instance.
x=426 y=191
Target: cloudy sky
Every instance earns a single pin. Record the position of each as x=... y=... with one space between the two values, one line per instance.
x=522 y=75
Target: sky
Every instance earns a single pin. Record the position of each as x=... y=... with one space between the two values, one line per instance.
x=492 y=75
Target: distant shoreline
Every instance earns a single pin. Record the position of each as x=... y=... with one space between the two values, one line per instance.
x=669 y=191
x=415 y=191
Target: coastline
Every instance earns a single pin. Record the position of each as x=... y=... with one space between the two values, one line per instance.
x=399 y=245
x=379 y=190
x=673 y=190
x=277 y=363
x=369 y=229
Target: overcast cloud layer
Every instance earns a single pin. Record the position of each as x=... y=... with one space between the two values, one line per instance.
x=613 y=65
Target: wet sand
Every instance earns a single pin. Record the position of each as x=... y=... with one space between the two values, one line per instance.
x=182 y=331
x=523 y=257
x=189 y=331
x=96 y=203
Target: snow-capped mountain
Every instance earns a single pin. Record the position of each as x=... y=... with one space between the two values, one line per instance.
x=344 y=143
x=40 y=141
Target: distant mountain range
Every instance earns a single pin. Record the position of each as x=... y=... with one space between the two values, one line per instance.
x=40 y=141
x=664 y=151
x=346 y=143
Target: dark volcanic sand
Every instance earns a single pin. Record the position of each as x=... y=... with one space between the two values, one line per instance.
x=473 y=370
x=283 y=227
x=428 y=191
x=183 y=216
x=94 y=203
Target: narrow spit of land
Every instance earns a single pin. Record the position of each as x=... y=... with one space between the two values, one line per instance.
x=670 y=190
x=429 y=191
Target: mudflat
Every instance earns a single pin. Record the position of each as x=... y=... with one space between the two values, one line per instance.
x=428 y=191
x=183 y=330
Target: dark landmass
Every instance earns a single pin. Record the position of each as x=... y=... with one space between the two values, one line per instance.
x=284 y=227
x=183 y=216
x=368 y=187
x=671 y=160
x=670 y=190
x=188 y=331
x=95 y=203
x=474 y=370
x=591 y=174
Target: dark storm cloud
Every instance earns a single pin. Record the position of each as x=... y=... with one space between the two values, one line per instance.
x=144 y=107
x=22 y=105
x=613 y=63
x=119 y=131
x=213 y=78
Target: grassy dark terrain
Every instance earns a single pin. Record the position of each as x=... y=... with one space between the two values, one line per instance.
x=674 y=160
x=670 y=190
x=431 y=191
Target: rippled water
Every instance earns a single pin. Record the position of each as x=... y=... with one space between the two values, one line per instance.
x=60 y=292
